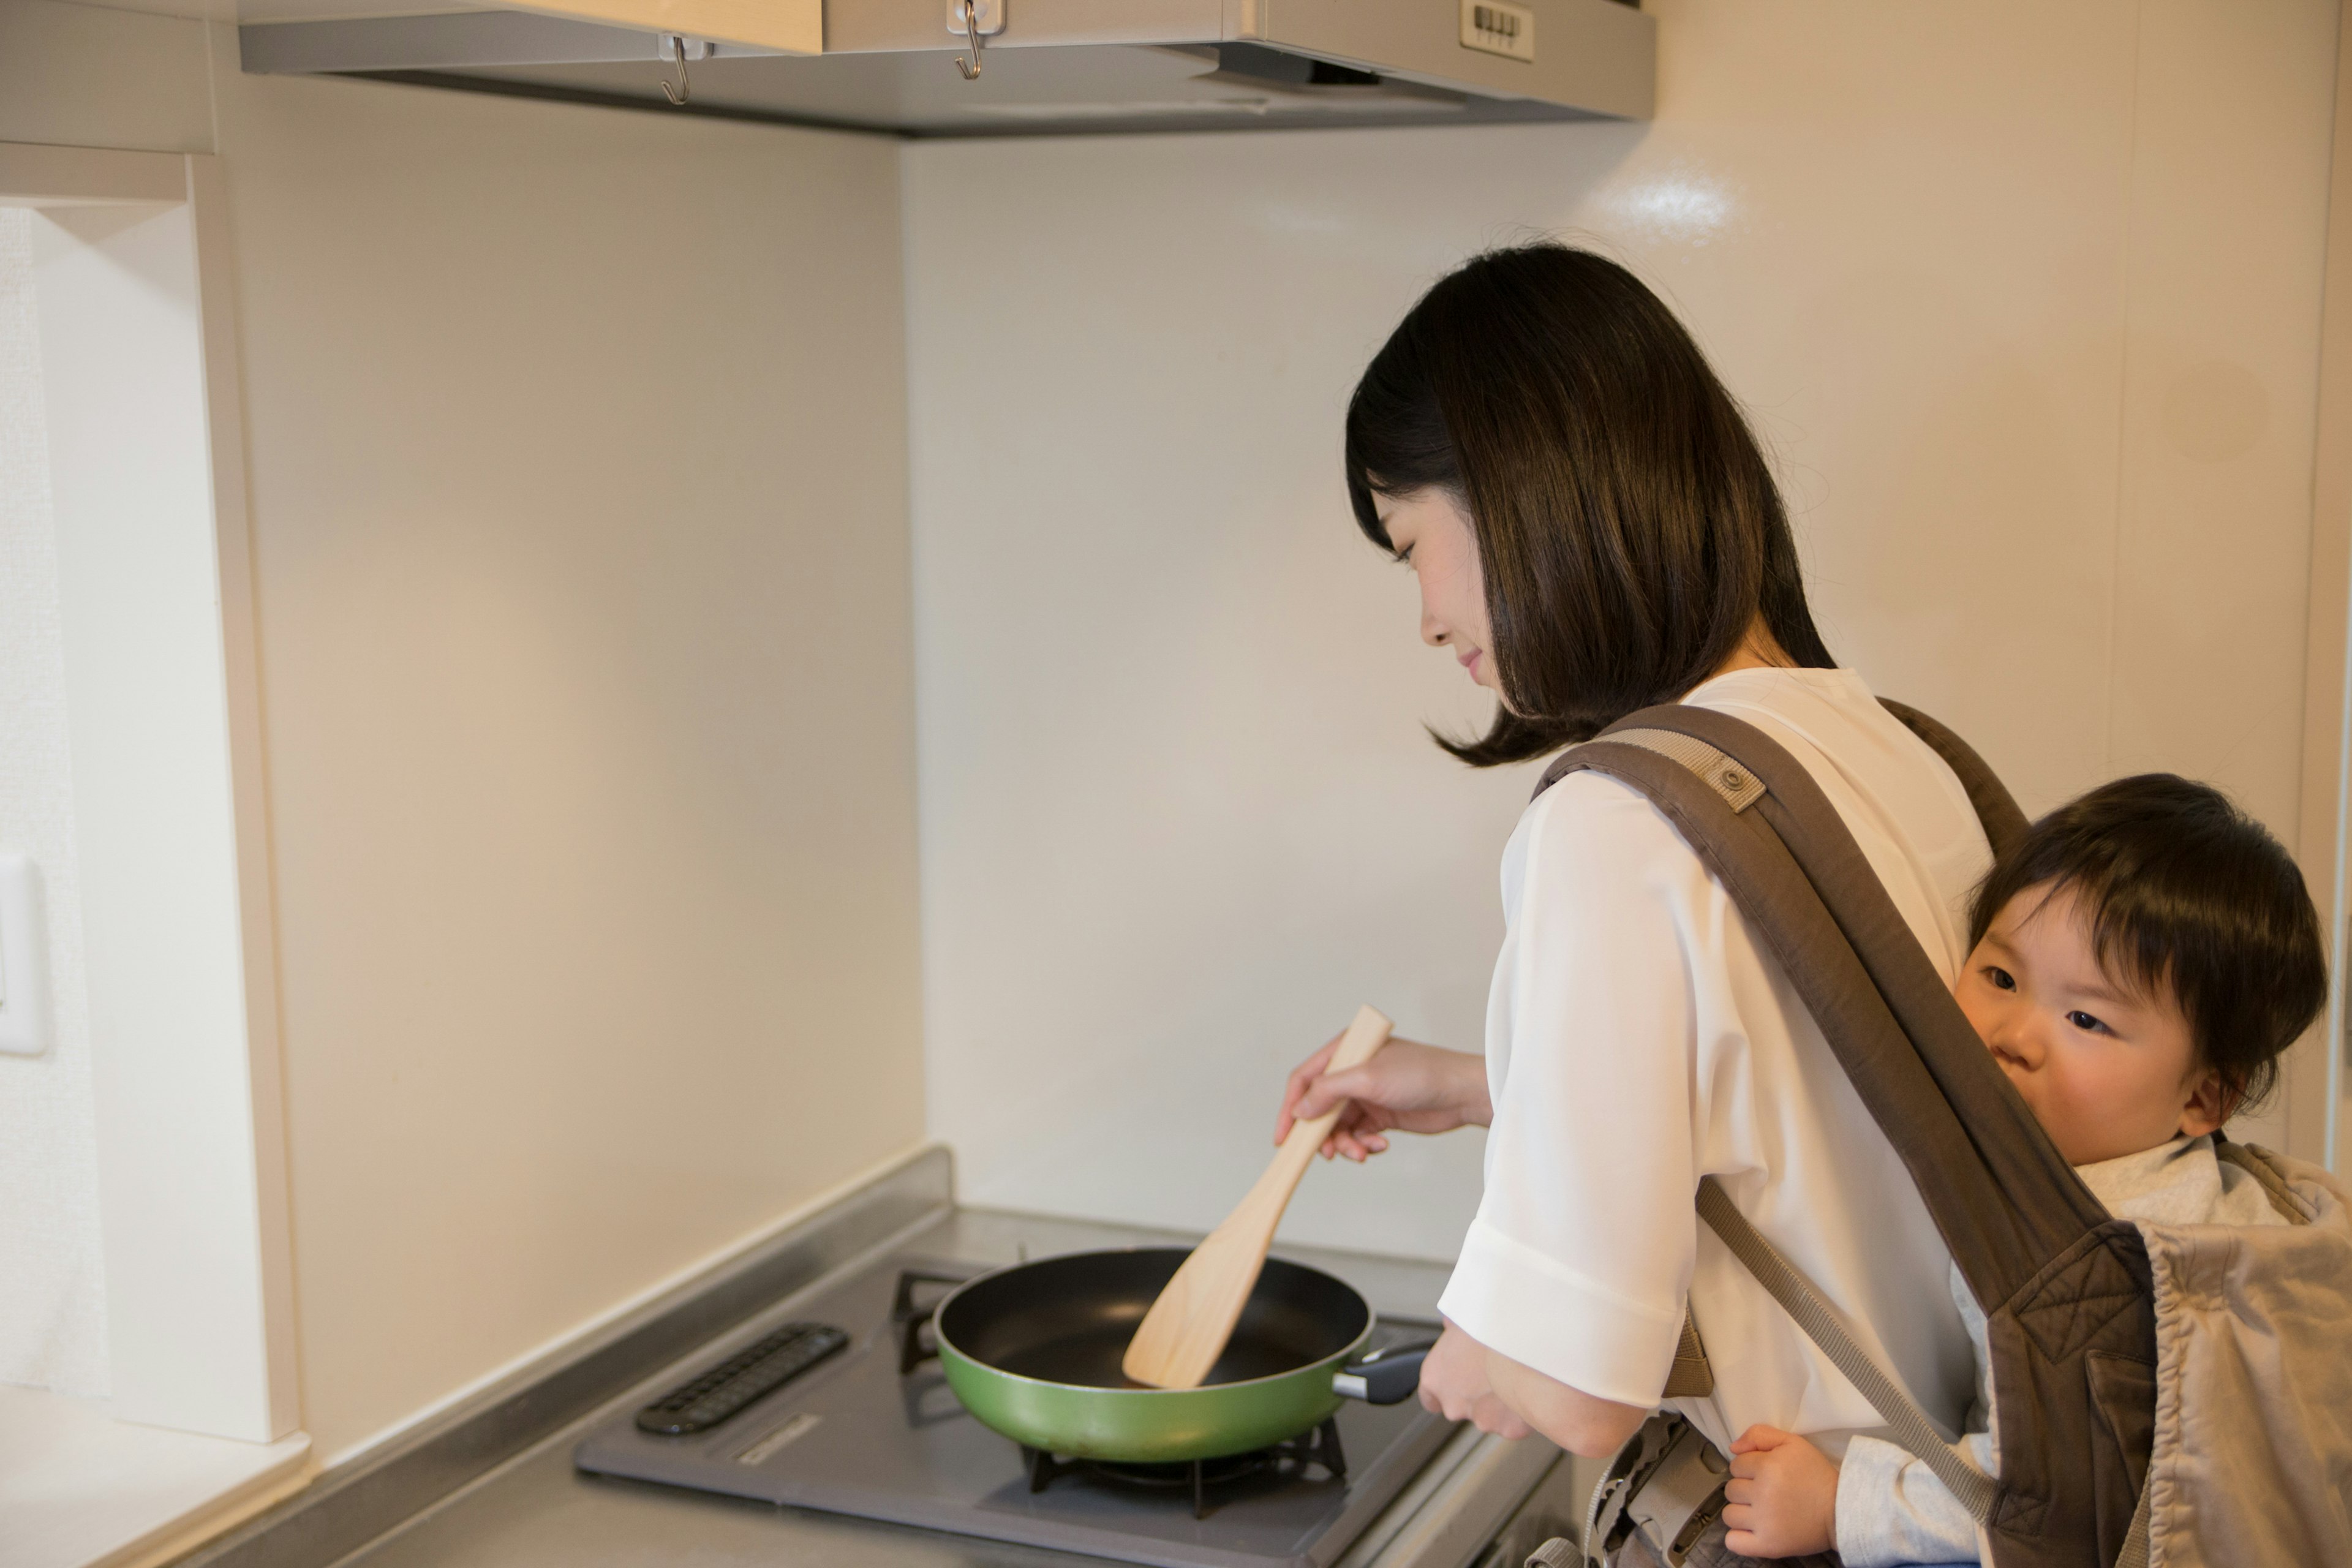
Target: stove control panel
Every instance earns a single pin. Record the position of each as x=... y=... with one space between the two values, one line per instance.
x=751 y=1374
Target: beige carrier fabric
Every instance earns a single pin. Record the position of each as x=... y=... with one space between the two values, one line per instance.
x=2253 y=1457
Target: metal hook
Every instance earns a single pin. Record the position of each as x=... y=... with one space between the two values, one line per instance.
x=684 y=88
x=970 y=68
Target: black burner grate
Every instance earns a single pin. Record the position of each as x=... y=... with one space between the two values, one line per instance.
x=1199 y=1476
x=911 y=1310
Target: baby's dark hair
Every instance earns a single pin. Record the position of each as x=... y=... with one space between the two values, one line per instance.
x=2186 y=895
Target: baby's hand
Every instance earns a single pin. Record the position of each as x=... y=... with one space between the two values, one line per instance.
x=1782 y=1496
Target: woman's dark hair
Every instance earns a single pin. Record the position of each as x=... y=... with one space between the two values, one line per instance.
x=1627 y=526
x=2186 y=897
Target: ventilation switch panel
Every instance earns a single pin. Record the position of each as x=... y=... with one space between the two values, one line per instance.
x=1495 y=28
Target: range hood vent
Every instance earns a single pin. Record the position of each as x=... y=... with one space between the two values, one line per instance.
x=907 y=68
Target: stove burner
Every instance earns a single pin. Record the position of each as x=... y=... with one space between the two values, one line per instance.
x=1211 y=1472
x=902 y=1450
x=1288 y=1459
x=918 y=1294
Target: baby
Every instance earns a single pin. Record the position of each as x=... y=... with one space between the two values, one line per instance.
x=2140 y=962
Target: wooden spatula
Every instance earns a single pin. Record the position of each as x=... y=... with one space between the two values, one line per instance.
x=1186 y=1330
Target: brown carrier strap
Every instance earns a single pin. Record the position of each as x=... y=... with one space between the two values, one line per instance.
x=2059 y=1278
x=1810 y=896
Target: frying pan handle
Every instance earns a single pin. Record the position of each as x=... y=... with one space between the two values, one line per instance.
x=1387 y=1376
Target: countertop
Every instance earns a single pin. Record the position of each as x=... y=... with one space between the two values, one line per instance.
x=495 y=1485
x=538 y=1511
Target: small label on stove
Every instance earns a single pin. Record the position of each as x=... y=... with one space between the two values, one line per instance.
x=765 y=1448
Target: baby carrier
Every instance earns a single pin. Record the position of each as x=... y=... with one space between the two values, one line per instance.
x=2175 y=1395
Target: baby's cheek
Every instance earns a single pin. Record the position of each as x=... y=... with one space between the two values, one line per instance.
x=2080 y=1114
x=1976 y=1006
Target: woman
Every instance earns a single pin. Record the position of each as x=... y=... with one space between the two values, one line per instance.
x=1594 y=531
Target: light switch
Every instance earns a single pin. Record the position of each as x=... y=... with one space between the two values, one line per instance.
x=25 y=1017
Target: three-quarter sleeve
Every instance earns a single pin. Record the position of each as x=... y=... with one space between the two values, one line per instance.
x=1580 y=1255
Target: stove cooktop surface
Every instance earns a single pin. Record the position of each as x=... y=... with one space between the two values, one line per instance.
x=857 y=1436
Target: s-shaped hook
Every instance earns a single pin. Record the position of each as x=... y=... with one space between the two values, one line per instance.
x=972 y=37
x=684 y=88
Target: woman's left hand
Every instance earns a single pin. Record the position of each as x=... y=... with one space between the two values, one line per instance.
x=1454 y=1384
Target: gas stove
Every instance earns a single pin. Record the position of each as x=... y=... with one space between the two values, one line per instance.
x=873 y=1431
x=853 y=1442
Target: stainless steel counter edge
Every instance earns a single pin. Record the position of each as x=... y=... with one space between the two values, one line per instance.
x=353 y=1505
x=1457 y=1505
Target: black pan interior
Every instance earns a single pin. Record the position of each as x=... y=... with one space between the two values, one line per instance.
x=1068 y=1320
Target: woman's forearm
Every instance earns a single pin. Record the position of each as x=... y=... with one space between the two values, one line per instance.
x=1478 y=1105
x=1576 y=1421
x=1407 y=1086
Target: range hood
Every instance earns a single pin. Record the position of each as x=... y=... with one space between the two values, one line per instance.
x=1016 y=68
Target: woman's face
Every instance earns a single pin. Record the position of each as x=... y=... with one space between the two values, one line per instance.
x=1432 y=534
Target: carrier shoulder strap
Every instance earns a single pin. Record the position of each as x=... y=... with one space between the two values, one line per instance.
x=2003 y=1197
x=1692 y=1376
x=1997 y=810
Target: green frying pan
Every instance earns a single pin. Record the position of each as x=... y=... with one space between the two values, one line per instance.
x=1032 y=1351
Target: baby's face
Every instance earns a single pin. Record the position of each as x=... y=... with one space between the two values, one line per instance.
x=2106 y=1071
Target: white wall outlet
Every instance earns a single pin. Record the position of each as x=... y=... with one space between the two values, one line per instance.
x=988 y=15
x=25 y=1028
x=1497 y=28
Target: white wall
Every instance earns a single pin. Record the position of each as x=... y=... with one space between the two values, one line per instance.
x=577 y=458
x=99 y=76
x=155 y=616
x=53 y=1331
x=575 y=444
x=2023 y=297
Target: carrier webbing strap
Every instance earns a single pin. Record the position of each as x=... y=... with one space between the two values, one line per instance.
x=2283 y=1201
x=1909 y=1424
x=2134 y=1552
x=1690 y=1377
x=1739 y=788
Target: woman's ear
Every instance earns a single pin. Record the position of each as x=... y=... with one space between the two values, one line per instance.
x=2210 y=1103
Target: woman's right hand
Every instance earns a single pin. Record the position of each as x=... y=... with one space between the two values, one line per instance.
x=1406 y=1085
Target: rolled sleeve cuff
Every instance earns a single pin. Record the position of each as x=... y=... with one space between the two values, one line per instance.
x=1547 y=1316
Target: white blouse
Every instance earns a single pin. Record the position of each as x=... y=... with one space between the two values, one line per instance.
x=1639 y=1037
